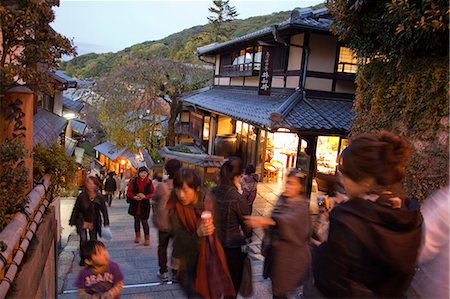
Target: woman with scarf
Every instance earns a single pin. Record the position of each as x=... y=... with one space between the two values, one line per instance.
x=203 y=268
x=139 y=193
x=373 y=239
x=286 y=237
x=86 y=213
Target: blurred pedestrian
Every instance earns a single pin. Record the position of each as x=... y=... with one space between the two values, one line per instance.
x=432 y=278
x=86 y=213
x=122 y=185
x=286 y=237
x=249 y=183
x=203 y=268
x=374 y=239
x=110 y=187
x=230 y=209
x=157 y=178
x=161 y=217
x=139 y=193
x=102 y=277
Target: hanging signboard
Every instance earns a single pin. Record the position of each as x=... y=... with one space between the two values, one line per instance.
x=265 y=74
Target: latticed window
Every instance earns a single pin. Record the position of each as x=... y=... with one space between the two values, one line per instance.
x=347 y=62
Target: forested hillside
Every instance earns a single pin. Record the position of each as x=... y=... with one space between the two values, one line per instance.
x=178 y=46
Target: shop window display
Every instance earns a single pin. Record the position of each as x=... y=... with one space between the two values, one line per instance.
x=327 y=153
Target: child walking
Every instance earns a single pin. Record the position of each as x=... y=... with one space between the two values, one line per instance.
x=102 y=277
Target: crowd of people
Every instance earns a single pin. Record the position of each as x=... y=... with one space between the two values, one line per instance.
x=368 y=242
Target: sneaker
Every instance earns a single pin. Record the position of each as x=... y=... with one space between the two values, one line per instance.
x=163 y=276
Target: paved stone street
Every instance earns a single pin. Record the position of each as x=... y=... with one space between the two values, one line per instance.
x=139 y=264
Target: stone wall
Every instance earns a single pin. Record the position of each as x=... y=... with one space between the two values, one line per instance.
x=37 y=276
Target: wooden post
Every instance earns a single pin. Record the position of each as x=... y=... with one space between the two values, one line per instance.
x=17 y=123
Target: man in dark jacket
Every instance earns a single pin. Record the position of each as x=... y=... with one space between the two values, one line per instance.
x=110 y=187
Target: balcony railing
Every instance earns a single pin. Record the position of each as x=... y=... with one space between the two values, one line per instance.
x=240 y=70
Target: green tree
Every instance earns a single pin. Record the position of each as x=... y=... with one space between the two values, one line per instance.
x=13 y=180
x=392 y=28
x=134 y=95
x=220 y=28
x=29 y=46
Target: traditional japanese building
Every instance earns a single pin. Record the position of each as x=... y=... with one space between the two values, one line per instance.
x=282 y=98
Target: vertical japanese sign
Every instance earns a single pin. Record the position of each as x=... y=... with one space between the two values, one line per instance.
x=16 y=122
x=265 y=74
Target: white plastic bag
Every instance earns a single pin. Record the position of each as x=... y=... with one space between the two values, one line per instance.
x=106 y=233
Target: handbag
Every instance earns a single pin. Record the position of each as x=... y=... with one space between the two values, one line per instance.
x=246 y=287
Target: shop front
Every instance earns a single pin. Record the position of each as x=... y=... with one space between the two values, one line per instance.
x=308 y=135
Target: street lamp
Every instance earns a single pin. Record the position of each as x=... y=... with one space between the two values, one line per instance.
x=69 y=115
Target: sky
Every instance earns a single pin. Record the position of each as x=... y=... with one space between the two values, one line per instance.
x=110 y=26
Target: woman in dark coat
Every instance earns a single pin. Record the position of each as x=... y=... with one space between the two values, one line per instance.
x=286 y=238
x=139 y=193
x=374 y=239
x=230 y=209
x=86 y=213
x=203 y=270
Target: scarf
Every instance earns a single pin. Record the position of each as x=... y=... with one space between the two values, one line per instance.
x=212 y=278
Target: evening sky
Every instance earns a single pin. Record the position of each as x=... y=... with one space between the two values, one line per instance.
x=110 y=26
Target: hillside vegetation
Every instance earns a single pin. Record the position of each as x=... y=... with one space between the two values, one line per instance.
x=178 y=46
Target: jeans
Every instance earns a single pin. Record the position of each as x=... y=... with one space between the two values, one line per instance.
x=163 y=243
x=137 y=225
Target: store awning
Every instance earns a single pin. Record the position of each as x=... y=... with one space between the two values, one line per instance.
x=70 y=104
x=79 y=153
x=241 y=103
x=197 y=159
x=78 y=127
x=47 y=127
x=109 y=150
x=70 y=144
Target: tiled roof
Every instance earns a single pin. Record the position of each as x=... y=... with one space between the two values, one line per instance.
x=321 y=114
x=293 y=110
x=109 y=150
x=301 y=18
x=72 y=105
x=63 y=78
x=240 y=103
x=70 y=144
x=78 y=126
x=47 y=126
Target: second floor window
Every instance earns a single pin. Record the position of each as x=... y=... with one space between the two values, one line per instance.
x=247 y=59
x=347 y=61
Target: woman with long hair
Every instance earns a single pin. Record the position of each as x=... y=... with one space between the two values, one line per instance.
x=286 y=237
x=86 y=213
x=373 y=239
x=230 y=209
x=203 y=270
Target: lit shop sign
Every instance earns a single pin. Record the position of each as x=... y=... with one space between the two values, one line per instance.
x=265 y=75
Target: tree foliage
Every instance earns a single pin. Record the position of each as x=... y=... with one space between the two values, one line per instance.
x=404 y=87
x=221 y=29
x=392 y=28
x=13 y=180
x=410 y=99
x=29 y=46
x=135 y=94
x=54 y=161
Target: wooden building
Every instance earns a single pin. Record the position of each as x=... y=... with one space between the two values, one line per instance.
x=282 y=98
